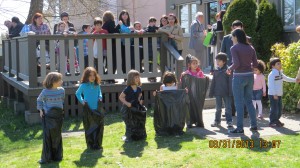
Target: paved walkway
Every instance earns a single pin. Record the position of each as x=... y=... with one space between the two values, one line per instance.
x=291 y=126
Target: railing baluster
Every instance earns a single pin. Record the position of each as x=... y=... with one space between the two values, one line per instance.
x=146 y=55
x=154 y=55
x=43 y=58
x=72 y=57
x=127 y=55
x=62 y=58
x=109 y=57
x=137 y=62
x=81 y=55
x=91 y=52
x=52 y=55
x=100 y=56
x=119 y=56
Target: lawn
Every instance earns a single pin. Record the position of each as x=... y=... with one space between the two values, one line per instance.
x=21 y=144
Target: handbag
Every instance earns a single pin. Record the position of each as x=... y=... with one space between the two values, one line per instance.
x=206 y=41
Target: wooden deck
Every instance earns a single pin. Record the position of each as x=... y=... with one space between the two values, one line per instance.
x=22 y=82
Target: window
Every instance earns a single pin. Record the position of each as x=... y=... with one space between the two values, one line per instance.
x=187 y=14
x=291 y=13
x=212 y=11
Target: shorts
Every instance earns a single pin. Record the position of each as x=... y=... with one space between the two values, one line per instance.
x=257 y=94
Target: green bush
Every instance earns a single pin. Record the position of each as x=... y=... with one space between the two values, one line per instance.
x=269 y=29
x=245 y=11
x=290 y=60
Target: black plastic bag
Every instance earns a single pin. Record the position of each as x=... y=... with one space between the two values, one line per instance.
x=197 y=88
x=135 y=120
x=171 y=107
x=93 y=123
x=52 y=140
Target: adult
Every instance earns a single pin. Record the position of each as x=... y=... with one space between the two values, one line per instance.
x=110 y=26
x=163 y=21
x=65 y=18
x=198 y=34
x=16 y=27
x=38 y=26
x=8 y=24
x=243 y=61
x=174 y=32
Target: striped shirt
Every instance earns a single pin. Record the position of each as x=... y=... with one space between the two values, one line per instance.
x=50 y=98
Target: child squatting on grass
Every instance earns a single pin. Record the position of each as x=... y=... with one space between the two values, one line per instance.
x=133 y=112
x=50 y=104
x=90 y=96
x=275 y=92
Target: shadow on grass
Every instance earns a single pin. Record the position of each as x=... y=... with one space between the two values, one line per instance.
x=173 y=143
x=89 y=158
x=50 y=165
x=134 y=149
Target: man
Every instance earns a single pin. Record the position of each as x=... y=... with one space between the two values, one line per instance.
x=65 y=18
x=16 y=27
x=198 y=34
x=227 y=42
x=225 y=48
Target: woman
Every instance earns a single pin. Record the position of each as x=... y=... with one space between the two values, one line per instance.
x=244 y=60
x=174 y=32
x=38 y=26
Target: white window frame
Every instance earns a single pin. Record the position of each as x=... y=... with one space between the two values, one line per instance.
x=190 y=19
x=288 y=28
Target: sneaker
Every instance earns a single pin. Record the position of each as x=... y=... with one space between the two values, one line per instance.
x=280 y=123
x=215 y=124
x=229 y=124
x=274 y=125
x=253 y=129
x=260 y=117
x=236 y=131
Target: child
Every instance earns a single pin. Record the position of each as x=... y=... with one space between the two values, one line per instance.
x=62 y=30
x=221 y=88
x=152 y=28
x=275 y=92
x=50 y=104
x=259 y=87
x=92 y=117
x=132 y=110
x=197 y=84
x=86 y=28
x=193 y=67
x=169 y=82
x=98 y=30
x=138 y=28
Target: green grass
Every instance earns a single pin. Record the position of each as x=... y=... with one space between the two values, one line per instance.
x=21 y=144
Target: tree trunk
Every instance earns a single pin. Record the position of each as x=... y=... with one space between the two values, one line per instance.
x=35 y=6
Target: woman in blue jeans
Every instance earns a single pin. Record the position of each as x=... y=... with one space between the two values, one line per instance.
x=243 y=61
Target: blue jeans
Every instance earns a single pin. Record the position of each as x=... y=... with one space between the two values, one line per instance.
x=275 y=109
x=242 y=87
x=228 y=110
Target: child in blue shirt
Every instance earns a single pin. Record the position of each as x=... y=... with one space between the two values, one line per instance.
x=89 y=95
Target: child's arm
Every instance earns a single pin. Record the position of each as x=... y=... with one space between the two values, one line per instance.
x=79 y=94
x=122 y=99
x=100 y=93
x=40 y=103
x=140 y=98
x=288 y=79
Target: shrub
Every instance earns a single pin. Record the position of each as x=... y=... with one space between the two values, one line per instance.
x=269 y=29
x=290 y=60
x=245 y=11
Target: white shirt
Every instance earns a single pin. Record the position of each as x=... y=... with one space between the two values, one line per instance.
x=173 y=87
x=275 y=82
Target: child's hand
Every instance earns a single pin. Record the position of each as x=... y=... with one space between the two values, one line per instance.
x=41 y=113
x=120 y=22
x=128 y=105
x=298 y=80
x=228 y=71
x=186 y=90
x=264 y=94
x=275 y=97
x=141 y=102
x=83 y=103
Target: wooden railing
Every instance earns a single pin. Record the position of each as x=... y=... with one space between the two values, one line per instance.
x=20 y=55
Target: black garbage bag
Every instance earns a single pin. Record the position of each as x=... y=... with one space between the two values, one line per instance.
x=171 y=107
x=52 y=140
x=197 y=88
x=135 y=120
x=93 y=123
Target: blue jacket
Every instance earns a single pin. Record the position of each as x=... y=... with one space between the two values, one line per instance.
x=221 y=84
x=90 y=93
